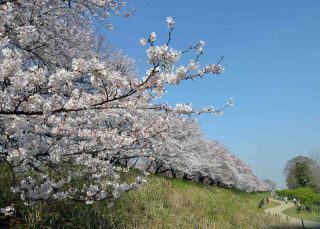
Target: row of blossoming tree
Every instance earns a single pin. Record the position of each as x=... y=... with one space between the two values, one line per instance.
x=72 y=110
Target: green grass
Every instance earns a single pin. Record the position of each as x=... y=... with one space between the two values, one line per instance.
x=171 y=203
x=271 y=204
x=161 y=203
x=313 y=216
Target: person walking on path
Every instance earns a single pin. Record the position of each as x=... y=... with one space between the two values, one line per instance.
x=267 y=199
x=295 y=201
x=261 y=205
x=299 y=206
x=285 y=199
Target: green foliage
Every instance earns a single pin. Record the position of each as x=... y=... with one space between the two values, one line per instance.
x=302 y=173
x=298 y=172
x=307 y=196
x=6 y=197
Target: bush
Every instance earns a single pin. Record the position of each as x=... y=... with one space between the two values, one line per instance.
x=307 y=196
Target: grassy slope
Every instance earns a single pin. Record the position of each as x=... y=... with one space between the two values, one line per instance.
x=313 y=216
x=161 y=203
x=171 y=203
x=272 y=204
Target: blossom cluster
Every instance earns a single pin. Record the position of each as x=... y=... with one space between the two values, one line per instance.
x=8 y=211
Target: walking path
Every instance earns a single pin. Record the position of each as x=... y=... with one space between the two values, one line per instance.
x=278 y=211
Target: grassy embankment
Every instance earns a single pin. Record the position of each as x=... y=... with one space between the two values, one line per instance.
x=171 y=203
x=161 y=203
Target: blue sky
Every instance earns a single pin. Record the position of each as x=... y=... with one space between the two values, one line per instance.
x=272 y=59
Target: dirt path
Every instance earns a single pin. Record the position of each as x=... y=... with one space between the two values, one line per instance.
x=278 y=210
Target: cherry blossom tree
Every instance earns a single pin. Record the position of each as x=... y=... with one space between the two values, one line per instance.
x=67 y=113
x=185 y=153
x=270 y=184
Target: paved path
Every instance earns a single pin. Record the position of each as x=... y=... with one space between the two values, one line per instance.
x=278 y=210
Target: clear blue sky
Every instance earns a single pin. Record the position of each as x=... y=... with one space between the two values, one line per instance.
x=272 y=59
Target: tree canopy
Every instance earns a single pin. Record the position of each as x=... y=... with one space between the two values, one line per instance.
x=70 y=114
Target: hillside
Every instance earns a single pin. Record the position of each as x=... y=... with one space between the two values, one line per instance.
x=173 y=203
x=161 y=203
